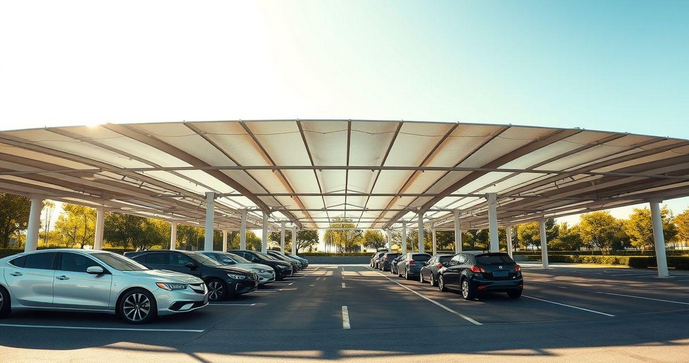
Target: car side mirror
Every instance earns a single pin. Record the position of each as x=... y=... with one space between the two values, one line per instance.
x=191 y=265
x=95 y=270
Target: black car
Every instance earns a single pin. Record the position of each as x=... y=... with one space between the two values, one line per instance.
x=476 y=272
x=410 y=265
x=222 y=281
x=386 y=260
x=429 y=272
x=282 y=269
x=374 y=259
x=394 y=262
x=296 y=264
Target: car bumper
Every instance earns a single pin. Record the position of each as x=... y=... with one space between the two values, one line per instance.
x=175 y=302
x=266 y=278
x=498 y=285
x=244 y=287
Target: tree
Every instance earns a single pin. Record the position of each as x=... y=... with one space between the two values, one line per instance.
x=127 y=230
x=445 y=240
x=682 y=223
x=76 y=225
x=374 y=239
x=252 y=241
x=639 y=227
x=48 y=208
x=344 y=235
x=568 y=238
x=599 y=229
x=529 y=235
x=14 y=216
x=305 y=238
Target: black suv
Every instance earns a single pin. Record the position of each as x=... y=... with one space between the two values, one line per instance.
x=296 y=264
x=222 y=281
x=476 y=272
x=282 y=269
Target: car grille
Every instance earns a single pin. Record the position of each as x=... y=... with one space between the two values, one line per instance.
x=198 y=288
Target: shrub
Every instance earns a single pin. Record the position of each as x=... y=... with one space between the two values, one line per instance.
x=676 y=262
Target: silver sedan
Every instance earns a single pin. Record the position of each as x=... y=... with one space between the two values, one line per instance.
x=97 y=281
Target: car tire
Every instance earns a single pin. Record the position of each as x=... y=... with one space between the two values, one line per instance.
x=137 y=306
x=217 y=290
x=467 y=292
x=5 y=303
x=441 y=284
x=516 y=294
x=433 y=280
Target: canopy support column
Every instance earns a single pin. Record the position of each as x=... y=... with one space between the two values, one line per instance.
x=435 y=249
x=294 y=241
x=420 y=233
x=282 y=238
x=510 y=247
x=404 y=237
x=264 y=236
x=544 y=244
x=493 y=222
x=387 y=232
x=659 y=239
x=34 y=224
x=458 y=232
x=100 y=223
x=173 y=235
x=224 y=241
x=242 y=231
x=210 y=214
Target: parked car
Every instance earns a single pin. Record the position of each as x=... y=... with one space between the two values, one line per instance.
x=395 y=262
x=411 y=264
x=429 y=271
x=265 y=273
x=282 y=269
x=222 y=281
x=386 y=260
x=303 y=261
x=296 y=264
x=375 y=258
x=95 y=281
x=475 y=272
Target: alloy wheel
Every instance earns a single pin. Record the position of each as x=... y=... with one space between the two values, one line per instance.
x=441 y=283
x=136 y=307
x=465 y=288
x=215 y=290
x=2 y=300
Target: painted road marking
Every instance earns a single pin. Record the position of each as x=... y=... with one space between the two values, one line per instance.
x=569 y=306
x=645 y=298
x=343 y=285
x=230 y=304
x=267 y=291
x=102 y=328
x=435 y=302
x=345 y=318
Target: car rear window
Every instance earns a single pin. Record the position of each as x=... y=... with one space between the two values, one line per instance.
x=421 y=258
x=443 y=259
x=393 y=255
x=496 y=259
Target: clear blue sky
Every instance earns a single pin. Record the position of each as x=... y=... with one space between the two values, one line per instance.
x=610 y=65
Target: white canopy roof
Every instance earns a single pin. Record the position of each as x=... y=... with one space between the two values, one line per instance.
x=378 y=173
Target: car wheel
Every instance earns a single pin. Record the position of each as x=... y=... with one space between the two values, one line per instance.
x=433 y=281
x=441 y=284
x=216 y=290
x=516 y=294
x=137 y=306
x=5 y=307
x=467 y=291
x=421 y=278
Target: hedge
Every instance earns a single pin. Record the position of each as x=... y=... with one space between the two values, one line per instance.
x=676 y=262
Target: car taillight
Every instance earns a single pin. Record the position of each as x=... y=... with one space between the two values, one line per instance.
x=439 y=265
x=476 y=269
x=411 y=262
x=517 y=268
x=387 y=258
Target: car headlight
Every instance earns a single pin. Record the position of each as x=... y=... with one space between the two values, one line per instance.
x=236 y=277
x=171 y=286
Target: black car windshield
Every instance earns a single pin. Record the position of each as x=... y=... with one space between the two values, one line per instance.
x=237 y=258
x=119 y=262
x=266 y=256
x=494 y=259
x=204 y=260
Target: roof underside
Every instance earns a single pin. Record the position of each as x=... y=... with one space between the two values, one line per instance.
x=377 y=173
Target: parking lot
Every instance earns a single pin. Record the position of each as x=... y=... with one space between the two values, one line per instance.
x=351 y=312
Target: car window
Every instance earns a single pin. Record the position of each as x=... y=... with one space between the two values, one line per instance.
x=19 y=262
x=119 y=262
x=443 y=259
x=455 y=260
x=421 y=258
x=463 y=259
x=75 y=262
x=156 y=258
x=179 y=259
x=238 y=258
x=494 y=259
x=40 y=261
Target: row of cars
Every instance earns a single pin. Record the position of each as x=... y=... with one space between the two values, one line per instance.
x=138 y=286
x=471 y=273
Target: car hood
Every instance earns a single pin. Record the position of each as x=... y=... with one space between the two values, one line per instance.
x=253 y=266
x=234 y=269
x=166 y=275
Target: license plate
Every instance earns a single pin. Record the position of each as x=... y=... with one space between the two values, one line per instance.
x=500 y=273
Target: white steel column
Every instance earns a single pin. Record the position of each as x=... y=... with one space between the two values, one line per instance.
x=282 y=238
x=404 y=237
x=387 y=232
x=242 y=231
x=173 y=235
x=264 y=244
x=34 y=224
x=435 y=249
x=210 y=214
x=510 y=247
x=458 y=233
x=98 y=235
x=224 y=241
x=659 y=239
x=294 y=241
x=544 y=244
x=420 y=233
x=493 y=222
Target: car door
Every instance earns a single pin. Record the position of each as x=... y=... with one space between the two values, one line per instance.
x=76 y=288
x=180 y=262
x=30 y=278
x=452 y=271
x=427 y=269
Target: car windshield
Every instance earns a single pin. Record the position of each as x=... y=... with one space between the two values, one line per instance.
x=204 y=260
x=267 y=256
x=237 y=258
x=494 y=259
x=119 y=262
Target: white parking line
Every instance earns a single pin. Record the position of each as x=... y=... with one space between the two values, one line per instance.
x=102 y=328
x=645 y=298
x=230 y=304
x=343 y=285
x=267 y=291
x=435 y=302
x=569 y=306
x=345 y=318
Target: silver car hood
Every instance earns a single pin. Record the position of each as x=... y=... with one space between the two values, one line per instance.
x=253 y=266
x=167 y=275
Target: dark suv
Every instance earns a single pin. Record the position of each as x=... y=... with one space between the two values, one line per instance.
x=411 y=264
x=282 y=269
x=222 y=281
x=475 y=272
x=386 y=260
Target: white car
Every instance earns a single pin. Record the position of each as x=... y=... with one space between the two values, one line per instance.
x=97 y=281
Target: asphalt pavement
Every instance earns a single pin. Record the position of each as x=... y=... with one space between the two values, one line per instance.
x=352 y=313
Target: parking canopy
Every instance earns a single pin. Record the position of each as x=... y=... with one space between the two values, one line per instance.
x=311 y=172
